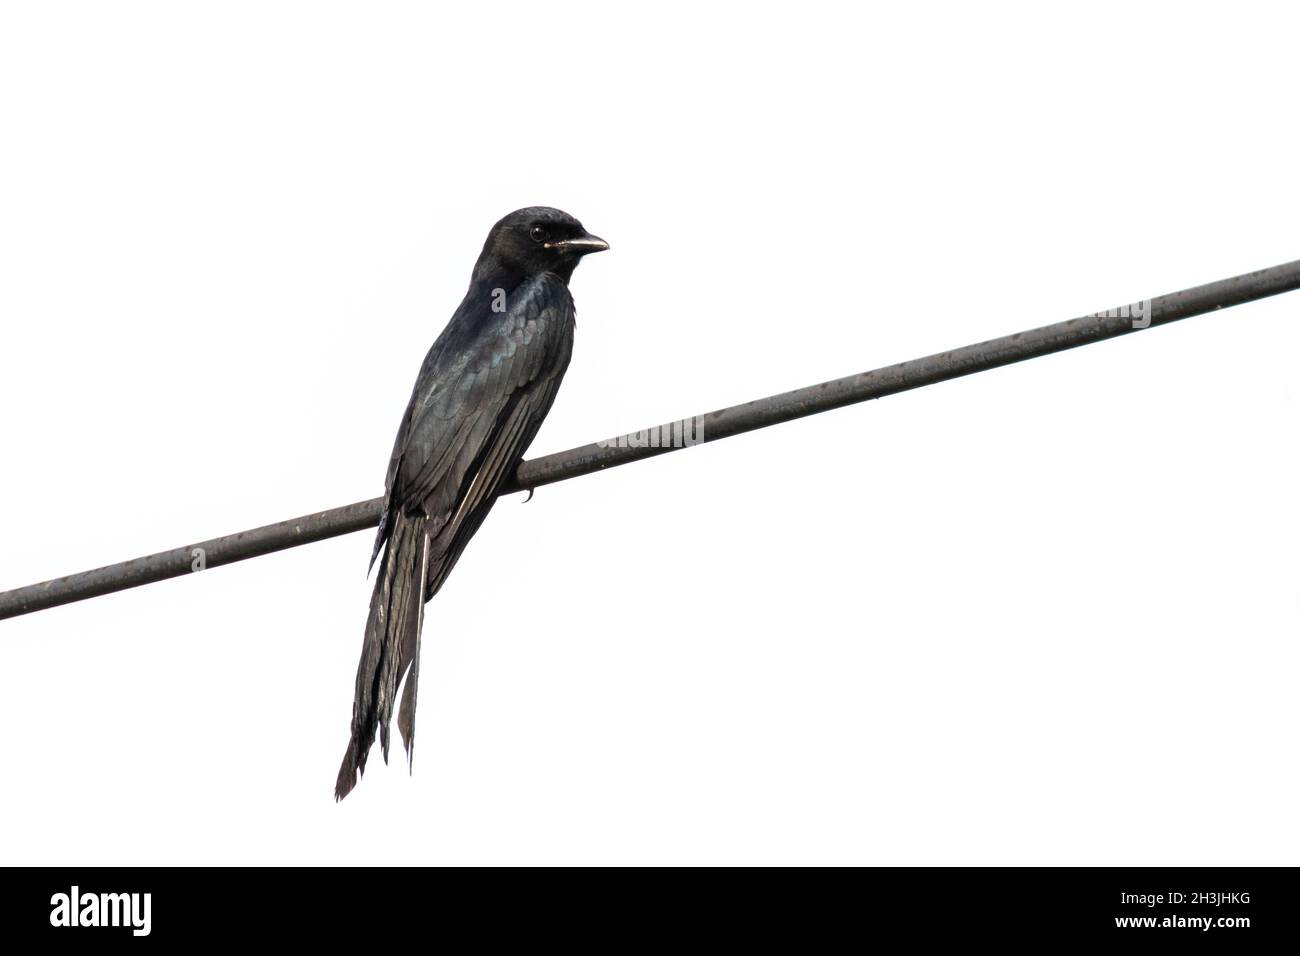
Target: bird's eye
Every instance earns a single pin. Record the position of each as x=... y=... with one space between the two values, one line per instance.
x=538 y=233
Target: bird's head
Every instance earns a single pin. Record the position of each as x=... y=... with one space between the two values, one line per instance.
x=539 y=239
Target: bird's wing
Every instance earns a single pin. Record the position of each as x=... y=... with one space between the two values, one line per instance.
x=518 y=424
x=480 y=397
x=476 y=408
x=471 y=420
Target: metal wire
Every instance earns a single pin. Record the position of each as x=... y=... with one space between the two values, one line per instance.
x=659 y=440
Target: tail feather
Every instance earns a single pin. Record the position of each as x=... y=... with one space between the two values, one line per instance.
x=406 y=716
x=391 y=646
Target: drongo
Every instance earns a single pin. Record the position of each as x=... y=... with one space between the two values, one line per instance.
x=482 y=392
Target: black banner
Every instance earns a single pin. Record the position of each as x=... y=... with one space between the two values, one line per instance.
x=1220 y=907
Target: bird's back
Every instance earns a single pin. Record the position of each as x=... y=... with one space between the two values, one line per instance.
x=482 y=360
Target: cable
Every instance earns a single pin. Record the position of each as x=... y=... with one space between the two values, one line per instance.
x=712 y=426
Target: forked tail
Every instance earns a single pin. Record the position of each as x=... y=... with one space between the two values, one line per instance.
x=391 y=647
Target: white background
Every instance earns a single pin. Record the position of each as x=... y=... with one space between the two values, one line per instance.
x=1046 y=614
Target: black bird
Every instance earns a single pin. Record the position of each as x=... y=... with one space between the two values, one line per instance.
x=481 y=395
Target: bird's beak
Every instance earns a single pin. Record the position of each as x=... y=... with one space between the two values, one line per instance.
x=582 y=245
